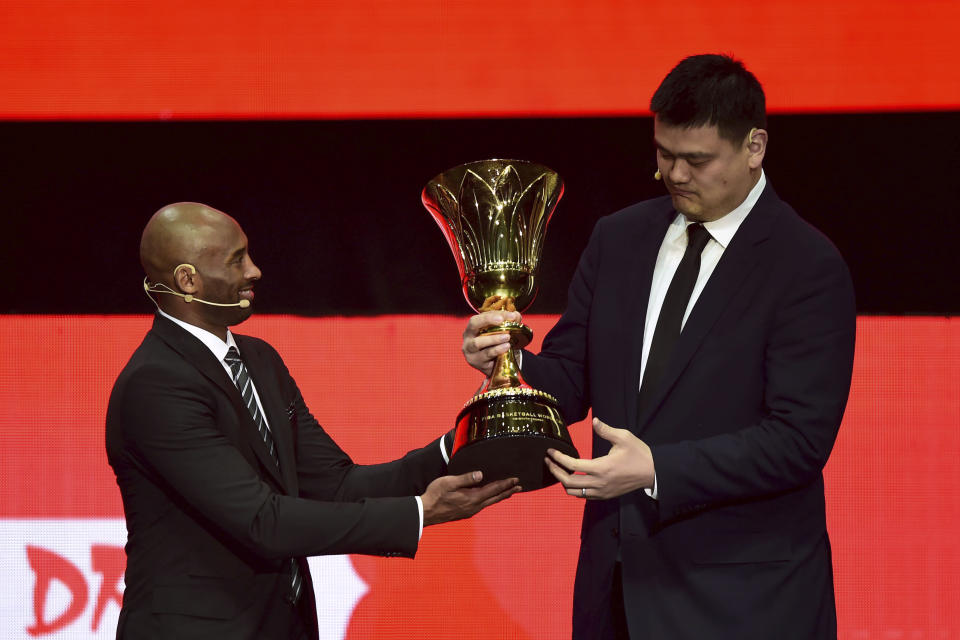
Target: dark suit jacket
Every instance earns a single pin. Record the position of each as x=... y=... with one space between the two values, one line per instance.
x=211 y=522
x=740 y=427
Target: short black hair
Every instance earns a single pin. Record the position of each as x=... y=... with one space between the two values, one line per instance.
x=711 y=89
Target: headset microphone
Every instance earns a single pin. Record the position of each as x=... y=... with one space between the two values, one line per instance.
x=187 y=297
x=162 y=288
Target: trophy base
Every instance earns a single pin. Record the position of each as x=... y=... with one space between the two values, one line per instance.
x=505 y=433
x=511 y=457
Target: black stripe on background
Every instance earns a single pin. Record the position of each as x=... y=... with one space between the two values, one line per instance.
x=333 y=213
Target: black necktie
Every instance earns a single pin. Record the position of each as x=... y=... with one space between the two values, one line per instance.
x=670 y=321
x=241 y=378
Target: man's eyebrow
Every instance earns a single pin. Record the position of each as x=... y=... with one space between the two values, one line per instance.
x=236 y=254
x=689 y=155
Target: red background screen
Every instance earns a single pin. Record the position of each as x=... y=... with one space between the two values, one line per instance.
x=370 y=58
x=892 y=483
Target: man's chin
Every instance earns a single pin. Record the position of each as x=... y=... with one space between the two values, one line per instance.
x=241 y=315
x=686 y=206
x=232 y=316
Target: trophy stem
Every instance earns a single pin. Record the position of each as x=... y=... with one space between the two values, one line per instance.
x=505 y=372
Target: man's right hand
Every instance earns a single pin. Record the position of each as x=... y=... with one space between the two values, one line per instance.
x=456 y=497
x=481 y=351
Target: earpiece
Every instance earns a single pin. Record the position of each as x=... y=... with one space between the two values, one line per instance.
x=189 y=267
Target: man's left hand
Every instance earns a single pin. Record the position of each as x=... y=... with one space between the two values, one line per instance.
x=627 y=467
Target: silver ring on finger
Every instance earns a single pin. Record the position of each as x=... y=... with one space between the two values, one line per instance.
x=583 y=492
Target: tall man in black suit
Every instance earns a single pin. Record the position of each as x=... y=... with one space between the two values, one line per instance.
x=227 y=480
x=716 y=329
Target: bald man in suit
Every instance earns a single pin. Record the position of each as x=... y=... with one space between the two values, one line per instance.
x=228 y=482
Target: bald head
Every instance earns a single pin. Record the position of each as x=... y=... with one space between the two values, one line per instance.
x=180 y=233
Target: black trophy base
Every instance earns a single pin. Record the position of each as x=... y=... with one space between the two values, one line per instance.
x=516 y=456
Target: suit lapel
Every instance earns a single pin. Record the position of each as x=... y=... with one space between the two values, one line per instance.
x=197 y=354
x=636 y=292
x=737 y=262
x=273 y=406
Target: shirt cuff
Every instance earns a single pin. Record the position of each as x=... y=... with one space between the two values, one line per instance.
x=443 y=452
x=420 y=511
x=652 y=491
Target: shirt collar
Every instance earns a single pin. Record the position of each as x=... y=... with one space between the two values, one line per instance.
x=723 y=229
x=217 y=346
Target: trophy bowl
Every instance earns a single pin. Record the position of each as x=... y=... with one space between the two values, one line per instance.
x=494 y=215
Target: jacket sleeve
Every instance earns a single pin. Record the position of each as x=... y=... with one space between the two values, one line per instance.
x=170 y=430
x=326 y=472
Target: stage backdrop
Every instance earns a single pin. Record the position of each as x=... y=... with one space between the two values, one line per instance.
x=338 y=113
x=96 y=59
x=387 y=384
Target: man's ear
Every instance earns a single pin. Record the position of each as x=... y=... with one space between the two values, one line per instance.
x=757 y=147
x=185 y=277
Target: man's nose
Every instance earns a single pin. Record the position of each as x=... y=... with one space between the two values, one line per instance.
x=252 y=272
x=679 y=172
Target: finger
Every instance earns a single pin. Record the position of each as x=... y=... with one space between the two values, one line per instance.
x=558 y=472
x=490 y=340
x=492 y=345
x=492 y=353
x=496 y=350
x=573 y=483
x=572 y=464
x=590 y=494
x=469 y=479
x=499 y=312
x=489 y=490
x=512 y=315
x=503 y=495
x=481 y=321
x=605 y=431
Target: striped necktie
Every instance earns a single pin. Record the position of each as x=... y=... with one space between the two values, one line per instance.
x=241 y=378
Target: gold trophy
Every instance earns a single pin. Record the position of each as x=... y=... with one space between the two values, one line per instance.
x=494 y=214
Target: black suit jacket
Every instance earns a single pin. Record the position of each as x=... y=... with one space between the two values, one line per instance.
x=211 y=522
x=740 y=428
